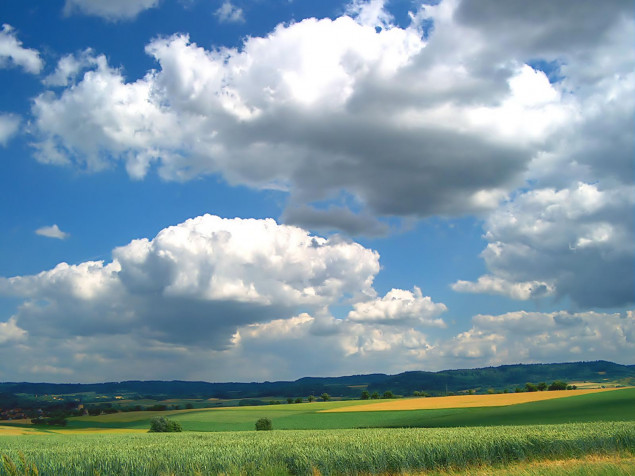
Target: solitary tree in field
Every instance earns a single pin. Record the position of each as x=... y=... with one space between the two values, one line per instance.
x=164 y=425
x=365 y=395
x=310 y=398
x=325 y=396
x=264 y=424
x=388 y=394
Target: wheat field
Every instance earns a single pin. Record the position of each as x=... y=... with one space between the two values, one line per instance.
x=465 y=401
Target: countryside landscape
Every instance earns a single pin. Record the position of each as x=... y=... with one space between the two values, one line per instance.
x=587 y=423
x=317 y=237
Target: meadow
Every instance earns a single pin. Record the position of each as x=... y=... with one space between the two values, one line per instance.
x=317 y=440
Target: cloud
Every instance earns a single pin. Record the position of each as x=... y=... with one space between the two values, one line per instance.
x=52 y=231
x=335 y=218
x=9 y=126
x=12 y=53
x=196 y=283
x=399 y=306
x=496 y=285
x=69 y=66
x=229 y=13
x=245 y=299
x=112 y=10
x=9 y=331
x=397 y=119
x=576 y=242
x=543 y=337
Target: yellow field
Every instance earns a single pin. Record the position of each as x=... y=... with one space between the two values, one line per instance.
x=92 y=431
x=465 y=401
x=6 y=430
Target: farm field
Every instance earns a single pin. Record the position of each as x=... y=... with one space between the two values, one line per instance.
x=464 y=401
x=616 y=405
x=326 y=452
x=598 y=427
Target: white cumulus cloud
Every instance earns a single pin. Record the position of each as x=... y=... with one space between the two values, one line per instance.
x=12 y=53
x=542 y=337
x=576 y=242
x=196 y=282
x=399 y=305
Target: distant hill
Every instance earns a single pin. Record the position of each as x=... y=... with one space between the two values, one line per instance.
x=434 y=383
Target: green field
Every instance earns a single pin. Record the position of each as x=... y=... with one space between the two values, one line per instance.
x=617 y=405
x=304 y=452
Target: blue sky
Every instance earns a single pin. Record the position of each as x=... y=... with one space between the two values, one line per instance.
x=260 y=190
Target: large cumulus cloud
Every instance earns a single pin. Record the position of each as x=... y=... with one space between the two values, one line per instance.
x=399 y=119
x=196 y=282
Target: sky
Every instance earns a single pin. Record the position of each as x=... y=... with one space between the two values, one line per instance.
x=251 y=190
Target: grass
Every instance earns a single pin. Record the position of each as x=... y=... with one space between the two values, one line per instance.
x=331 y=452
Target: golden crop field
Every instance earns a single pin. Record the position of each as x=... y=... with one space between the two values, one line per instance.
x=7 y=430
x=465 y=401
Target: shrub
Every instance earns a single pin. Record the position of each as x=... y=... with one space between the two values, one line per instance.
x=264 y=424
x=164 y=425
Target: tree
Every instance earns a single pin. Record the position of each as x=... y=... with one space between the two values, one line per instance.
x=365 y=395
x=325 y=396
x=310 y=398
x=289 y=400
x=530 y=387
x=388 y=394
x=374 y=396
x=558 y=385
x=164 y=425
x=264 y=424
x=298 y=400
x=542 y=386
